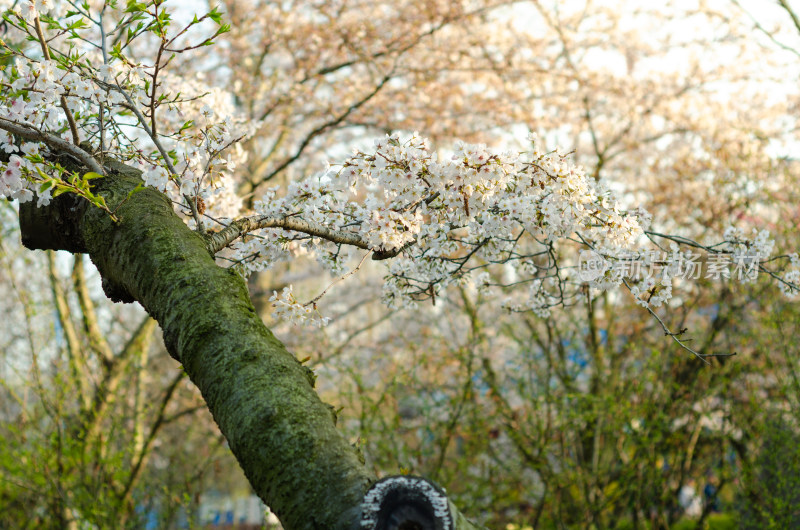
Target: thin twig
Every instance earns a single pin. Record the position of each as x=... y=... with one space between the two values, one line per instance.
x=675 y=336
x=337 y=280
x=164 y=155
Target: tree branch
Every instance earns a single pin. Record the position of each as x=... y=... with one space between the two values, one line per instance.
x=97 y=340
x=795 y=19
x=144 y=451
x=219 y=240
x=259 y=394
x=321 y=129
x=29 y=132
x=105 y=393
x=77 y=360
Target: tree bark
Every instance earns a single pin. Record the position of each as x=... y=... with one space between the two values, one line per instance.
x=262 y=398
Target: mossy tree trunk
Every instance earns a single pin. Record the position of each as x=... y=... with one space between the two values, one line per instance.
x=262 y=398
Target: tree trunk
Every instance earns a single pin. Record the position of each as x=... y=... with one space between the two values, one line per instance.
x=262 y=398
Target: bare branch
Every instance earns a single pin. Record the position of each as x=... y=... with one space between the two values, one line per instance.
x=143 y=122
x=337 y=280
x=792 y=14
x=676 y=336
x=97 y=340
x=223 y=238
x=77 y=360
x=321 y=129
x=769 y=34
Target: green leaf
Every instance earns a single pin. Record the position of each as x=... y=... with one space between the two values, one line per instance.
x=92 y=175
x=215 y=15
x=133 y=6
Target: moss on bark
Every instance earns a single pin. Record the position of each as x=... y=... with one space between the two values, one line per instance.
x=261 y=397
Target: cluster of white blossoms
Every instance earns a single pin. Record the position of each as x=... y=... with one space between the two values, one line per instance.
x=757 y=246
x=651 y=274
x=441 y=217
x=32 y=98
x=199 y=128
x=202 y=131
x=791 y=279
x=30 y=9
x=288 y=309
x=197 y=125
